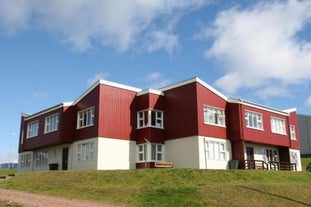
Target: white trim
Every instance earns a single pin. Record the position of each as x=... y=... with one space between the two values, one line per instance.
x=257 y=106
x=108 y=83
x=53 y=108
x=153 y=91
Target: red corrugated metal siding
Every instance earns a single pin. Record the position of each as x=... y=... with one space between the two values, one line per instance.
x=265 y=136
x=238 y=151
x=117 y=113
x=152 y=134
x=43 y=139
x=206 y=97
x=181 y=114
x=88 y=101
x=68 y=124
x=22 y=135
x=149 y=100
x=234 y=121
x=292 y=119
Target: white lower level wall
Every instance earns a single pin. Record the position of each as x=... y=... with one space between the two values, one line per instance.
x=295 y=158
x=221 y=156
x=116 y=154
x=191 y=152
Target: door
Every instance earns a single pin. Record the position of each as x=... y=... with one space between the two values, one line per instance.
x=250 y=163
x=65 y=159
x=250 y=153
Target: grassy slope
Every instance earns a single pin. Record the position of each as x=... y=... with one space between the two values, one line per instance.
x=173 y=187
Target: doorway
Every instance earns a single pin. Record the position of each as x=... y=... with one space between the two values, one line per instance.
x=65 y=158
x=249 y=153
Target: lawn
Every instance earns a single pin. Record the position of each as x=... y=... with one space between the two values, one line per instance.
x=173 y=187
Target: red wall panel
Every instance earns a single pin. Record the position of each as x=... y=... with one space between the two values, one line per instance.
x=180 y=117
x=265 y=136
x=117 y=113
x=43 y=139
x=89 y=100
x=205 y=97
x=292 y=119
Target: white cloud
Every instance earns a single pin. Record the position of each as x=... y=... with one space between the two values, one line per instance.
x=260 y=47
x=11 y=133
x=156 y=80
x=308 y=101
x=91 y=81
x=40 y=94
x=82 y=23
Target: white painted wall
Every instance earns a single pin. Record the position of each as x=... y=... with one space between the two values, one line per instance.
x=206 y=163
x=259 y=151
x=86 y=164
x=25 y=169
x=189 y=152
x=296 y=159
x=116 y=154
x=183 y=152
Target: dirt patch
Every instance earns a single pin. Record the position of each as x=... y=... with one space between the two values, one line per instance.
x=35 y=200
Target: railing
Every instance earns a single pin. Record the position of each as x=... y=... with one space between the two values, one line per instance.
x=283 y=166
x=256 y=165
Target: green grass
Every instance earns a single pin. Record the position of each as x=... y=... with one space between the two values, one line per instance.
x=305 y=162
x=6 y=172
x=172 y=187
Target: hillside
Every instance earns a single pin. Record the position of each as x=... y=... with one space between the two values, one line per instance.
x=172 y=187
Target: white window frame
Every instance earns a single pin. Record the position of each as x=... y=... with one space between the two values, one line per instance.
x=214 y=116
x=33 y=129
x=157 y=152
x=141 y=152
x=51 y=123
x=86 y=118
x=85 y=151
x=277 y=125
x=41 y=158
x=25 y=160
x=215 y=150
x=292 y=132
x=253 y=120
x=150 y=118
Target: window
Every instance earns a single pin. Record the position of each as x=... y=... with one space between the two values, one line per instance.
x=156 y=152
x=253 y=120
x=214 y=116
x=215 y=150
x=86 y=118
x=293 y=157
x=151 y=118
x=41 y=158
x=51 y=123
x=25 y=160
x=86 y=151
x=292 y=133
x=141 y=152
x=32 y=130
x=278 y=125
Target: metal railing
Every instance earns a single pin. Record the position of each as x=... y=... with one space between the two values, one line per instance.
x=283 y=166
x=256 y=164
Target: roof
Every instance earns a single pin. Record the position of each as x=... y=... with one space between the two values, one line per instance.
x=262 y=107
x=58 y=106
x=192 y=80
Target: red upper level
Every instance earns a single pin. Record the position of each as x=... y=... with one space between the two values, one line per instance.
x=185 y=109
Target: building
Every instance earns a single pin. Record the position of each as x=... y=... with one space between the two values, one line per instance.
x=184 y=125
x=304 y=126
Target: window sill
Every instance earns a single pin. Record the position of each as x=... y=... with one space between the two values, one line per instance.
x=84 y=127
x=217 y=125
x=150 y=127
x=255 y=128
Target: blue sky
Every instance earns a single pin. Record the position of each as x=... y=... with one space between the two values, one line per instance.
x=51 y=51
